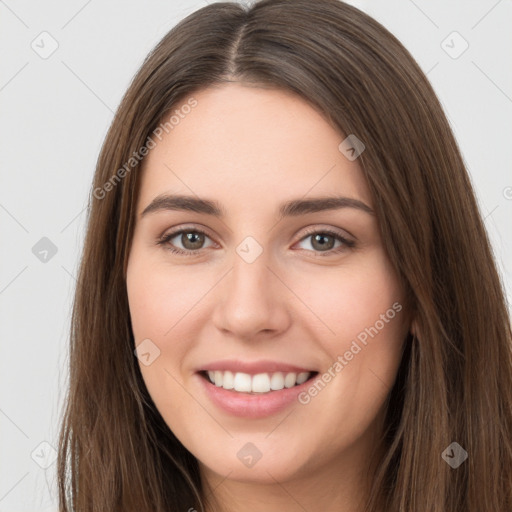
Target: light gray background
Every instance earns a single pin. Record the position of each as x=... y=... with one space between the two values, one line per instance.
x=55 y=112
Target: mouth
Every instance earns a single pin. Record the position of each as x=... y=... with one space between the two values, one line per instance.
x=256 y=384
x=253 y=389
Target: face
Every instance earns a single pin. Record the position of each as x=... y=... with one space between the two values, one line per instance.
x=295 y=314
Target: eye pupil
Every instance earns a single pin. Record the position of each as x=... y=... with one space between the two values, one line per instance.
x=320 y=238
x=196 y=239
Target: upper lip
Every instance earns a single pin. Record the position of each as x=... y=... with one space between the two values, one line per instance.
x=253 y=367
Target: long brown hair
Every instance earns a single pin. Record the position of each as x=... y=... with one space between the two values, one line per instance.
x=455 y=380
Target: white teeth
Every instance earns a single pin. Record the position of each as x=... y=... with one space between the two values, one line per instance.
x=290 y=379
x=228 y=381
x=302 y=377
x=277 y=381
x=242 y=382
x=260 y=383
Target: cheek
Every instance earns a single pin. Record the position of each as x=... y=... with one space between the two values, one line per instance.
x=160 y=302
x=160 y=298
x=349 y=300
x=362 y=330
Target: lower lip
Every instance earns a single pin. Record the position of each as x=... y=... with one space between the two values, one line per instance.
x=255 y=405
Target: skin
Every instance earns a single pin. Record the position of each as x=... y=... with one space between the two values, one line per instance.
x=250 y=149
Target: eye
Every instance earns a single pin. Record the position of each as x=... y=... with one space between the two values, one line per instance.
x=324 y=241
x=191 y=240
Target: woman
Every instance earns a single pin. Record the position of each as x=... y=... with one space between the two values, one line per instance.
x=287 y=298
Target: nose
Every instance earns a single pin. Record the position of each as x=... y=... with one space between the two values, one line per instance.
x=252 y=301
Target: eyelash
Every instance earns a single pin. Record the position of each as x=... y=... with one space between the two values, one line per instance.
x=164 y=241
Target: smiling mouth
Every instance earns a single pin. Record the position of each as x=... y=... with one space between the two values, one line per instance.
x=257 y=384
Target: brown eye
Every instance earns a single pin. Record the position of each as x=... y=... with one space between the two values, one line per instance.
x=326 y=242
x=191 y=241
x=322 y=242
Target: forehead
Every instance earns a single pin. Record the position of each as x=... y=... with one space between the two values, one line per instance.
x=243 y=144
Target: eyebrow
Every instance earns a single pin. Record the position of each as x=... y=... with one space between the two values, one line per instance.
x=291 y=208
